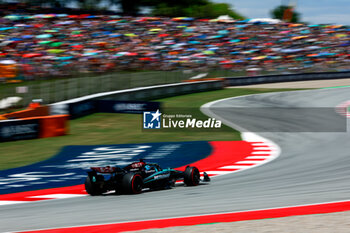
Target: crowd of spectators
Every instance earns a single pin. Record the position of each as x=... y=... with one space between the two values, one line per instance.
x=61 y=44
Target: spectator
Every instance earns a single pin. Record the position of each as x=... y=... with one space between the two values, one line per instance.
x=61 y=45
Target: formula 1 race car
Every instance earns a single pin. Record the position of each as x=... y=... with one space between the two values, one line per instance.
x=137 y=176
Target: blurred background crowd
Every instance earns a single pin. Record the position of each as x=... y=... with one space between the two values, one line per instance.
x=44 y=45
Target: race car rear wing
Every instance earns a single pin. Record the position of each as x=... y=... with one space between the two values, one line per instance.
x=106 y=169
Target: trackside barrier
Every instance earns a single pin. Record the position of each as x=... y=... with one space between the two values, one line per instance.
x=57 y=125
x=238 y=81
x=11 y=130
x=39 y=111
x=85 y=105
x=53 y=126
x=136 y=107
x=34 y=127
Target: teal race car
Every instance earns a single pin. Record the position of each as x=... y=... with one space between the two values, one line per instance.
x=138 y=176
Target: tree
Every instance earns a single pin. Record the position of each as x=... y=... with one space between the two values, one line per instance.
x=205 y=10
x=128 y=7
x=88 y=4
x=286 y=13
x=172 y=8
x=182 y=3
x=51 y=3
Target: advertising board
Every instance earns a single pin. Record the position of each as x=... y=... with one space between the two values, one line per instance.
x=11 y=130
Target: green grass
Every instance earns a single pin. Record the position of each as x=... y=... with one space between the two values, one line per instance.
x=109 y=128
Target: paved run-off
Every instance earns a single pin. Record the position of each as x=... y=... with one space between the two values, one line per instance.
x=319 y=223
x=323 y=166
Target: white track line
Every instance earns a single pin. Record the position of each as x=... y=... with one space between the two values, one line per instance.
x=217 y=172
x=261 y=148
x=260 y=152
x=258 y=157
x=59 y=196
x=259 y=144
x=235 y=167
x=12 y=202
x=251 y=162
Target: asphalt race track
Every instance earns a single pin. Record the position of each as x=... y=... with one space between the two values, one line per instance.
x=314 y=167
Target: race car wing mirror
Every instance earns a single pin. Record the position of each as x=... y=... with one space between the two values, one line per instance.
x=206 y=178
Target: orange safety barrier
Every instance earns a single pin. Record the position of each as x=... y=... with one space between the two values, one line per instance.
x=36 y=112
x=52 y=126
x=34 y=105
x=8 y=70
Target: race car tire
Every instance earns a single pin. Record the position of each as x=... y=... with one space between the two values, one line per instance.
x=91 y=187
x=132 y=183
x=191 y=176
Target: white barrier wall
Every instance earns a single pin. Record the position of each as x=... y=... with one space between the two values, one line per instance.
x=83 y=104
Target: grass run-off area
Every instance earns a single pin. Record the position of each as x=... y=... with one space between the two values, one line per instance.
x=110 y=128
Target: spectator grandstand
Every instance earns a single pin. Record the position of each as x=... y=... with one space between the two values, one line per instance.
x=46 y=45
